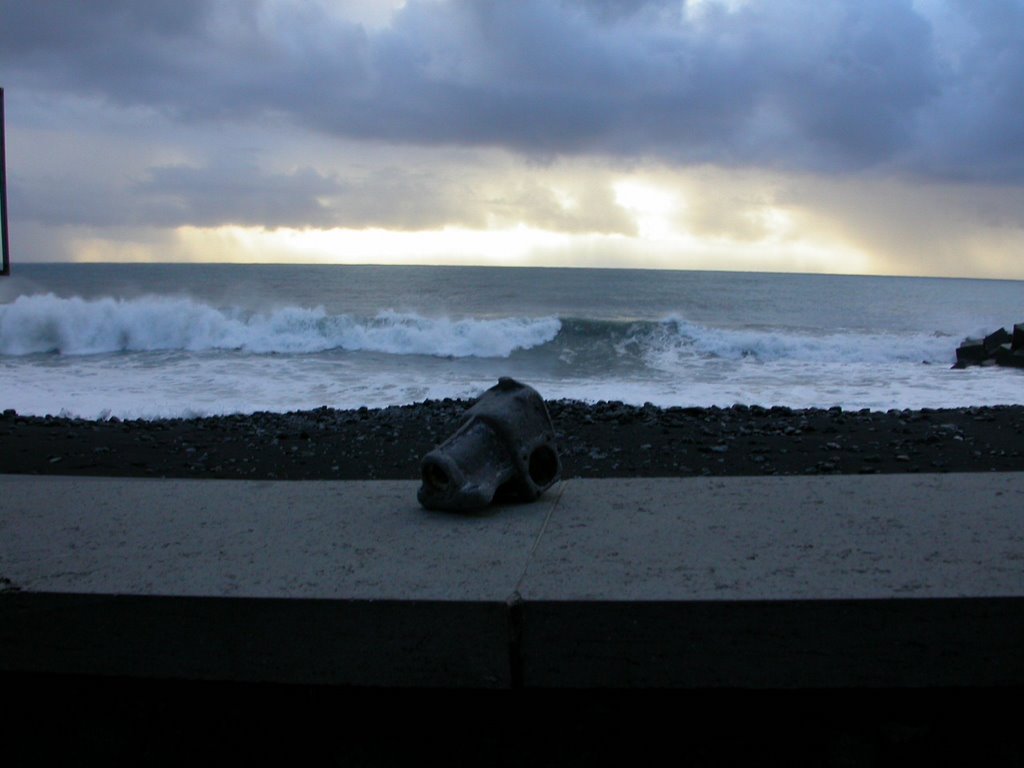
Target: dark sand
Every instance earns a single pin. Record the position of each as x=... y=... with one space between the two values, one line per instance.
x=602 y=440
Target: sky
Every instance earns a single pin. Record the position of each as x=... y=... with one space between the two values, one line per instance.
x=843 y=136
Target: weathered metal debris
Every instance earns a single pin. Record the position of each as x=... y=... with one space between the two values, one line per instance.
x=504 y=450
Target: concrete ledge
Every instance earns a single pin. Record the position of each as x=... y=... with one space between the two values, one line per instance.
x=816 y=582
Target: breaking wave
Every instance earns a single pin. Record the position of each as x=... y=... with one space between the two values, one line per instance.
x=674 y=343
x=73 y=326
x=45 y=323
x=676 y=337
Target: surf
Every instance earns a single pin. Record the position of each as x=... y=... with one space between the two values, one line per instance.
x=48 y=323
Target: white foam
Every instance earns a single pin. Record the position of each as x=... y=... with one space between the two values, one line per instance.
x=73 y=326
x=897 y=385
x=190 y=385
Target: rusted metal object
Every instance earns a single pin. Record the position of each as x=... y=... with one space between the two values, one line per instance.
x=504 y=450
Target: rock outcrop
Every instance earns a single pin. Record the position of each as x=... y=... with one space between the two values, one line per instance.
x=998 y=348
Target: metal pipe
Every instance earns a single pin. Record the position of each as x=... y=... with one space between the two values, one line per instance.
x=5 y=247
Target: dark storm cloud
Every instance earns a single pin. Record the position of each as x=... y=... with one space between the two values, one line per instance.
x=974 y=129
x=129 y=52
x=790 y=85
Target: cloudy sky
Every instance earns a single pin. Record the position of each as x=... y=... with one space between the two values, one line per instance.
x=859 y=136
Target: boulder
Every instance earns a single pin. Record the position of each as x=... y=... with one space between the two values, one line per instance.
x=1011 y=358
x=1018 y=336
x=995 y=339
x=998 y=348
x=970 y=352
x=1002 y=354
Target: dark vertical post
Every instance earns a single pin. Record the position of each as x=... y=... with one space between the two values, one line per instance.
x=5 y=246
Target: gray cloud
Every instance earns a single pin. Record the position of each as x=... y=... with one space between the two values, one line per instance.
x=128 y=52
x=790 y=85
x=177 y=195
x=391 y=198
x=235 y=192
x=244 y=195
x=973 y=130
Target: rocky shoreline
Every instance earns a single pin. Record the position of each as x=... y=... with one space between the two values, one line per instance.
x=998 y=348
x=606 y=439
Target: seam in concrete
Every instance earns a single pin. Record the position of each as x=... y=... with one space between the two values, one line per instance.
x=514 y=602
x=540 y=534
x=514 y=616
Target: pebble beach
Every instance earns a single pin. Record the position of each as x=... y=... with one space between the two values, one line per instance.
x=604 y=439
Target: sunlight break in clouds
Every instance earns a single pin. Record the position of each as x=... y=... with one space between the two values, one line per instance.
x=651 y=207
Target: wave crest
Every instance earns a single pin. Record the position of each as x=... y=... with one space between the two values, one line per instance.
x=676 y=337
x=46 y=323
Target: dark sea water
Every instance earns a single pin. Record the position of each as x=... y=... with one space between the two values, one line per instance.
x=156 y=340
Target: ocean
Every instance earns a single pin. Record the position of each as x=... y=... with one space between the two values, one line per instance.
x=182 y=340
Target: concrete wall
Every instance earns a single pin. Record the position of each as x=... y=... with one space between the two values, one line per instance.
x=898 y=581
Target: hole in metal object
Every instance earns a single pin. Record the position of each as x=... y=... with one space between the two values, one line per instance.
x=543 y=465
x=435 y=477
